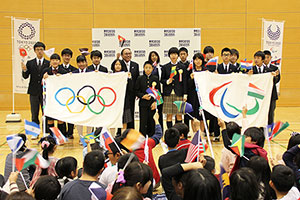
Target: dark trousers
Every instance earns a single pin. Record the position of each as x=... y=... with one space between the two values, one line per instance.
x=213 y=125
x=161 y=119
x=271 y=112
x=70 y=130
x=36 y=101
x=132 y=105
x=147 y=124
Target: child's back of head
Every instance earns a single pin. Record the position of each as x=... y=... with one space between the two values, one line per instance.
x=282 y=178
x=123 y=160
x=172 y=137
x=232 y=128
x=183 y=129
x=66 y=168
x=93 y=163
x=127 y=193
x=210 y=164
x=257 y=135
x=46 y=188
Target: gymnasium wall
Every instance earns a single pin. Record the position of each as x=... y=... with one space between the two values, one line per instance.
x=233 y=23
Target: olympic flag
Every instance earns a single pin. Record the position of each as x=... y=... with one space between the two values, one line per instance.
x=93 y=99
x=224 y=95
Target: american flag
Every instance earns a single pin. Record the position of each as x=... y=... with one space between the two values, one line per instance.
x=196 y=147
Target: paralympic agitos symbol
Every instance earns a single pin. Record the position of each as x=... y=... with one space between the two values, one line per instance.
x=253 y=91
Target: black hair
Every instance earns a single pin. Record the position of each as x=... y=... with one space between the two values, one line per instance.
x=19 y=196
x=256 y=134
x=173 y=50
x=149 y=57
x=67 y=51
x=93 y=163
x=47 y=148
x=96 y=53
x=39 y=44
x=147 y=62
x=243 y=185
x=127 y=193
x=236 y=52
x=46 y=188
x=208 y=49
x=183 y=49
x=123 y=65
x=201 y=184
x=134 y=173
x=200 y=56
x=262 y=171
x=267 y=52
x=283 y=178
x=123 y=160
x=24 y=138
x=81 y=58
x=171 y=137
x=260 y=54
x=182 y=128
x=65 y=166
x=226 y=49
x=293 y=141
x=124 y=50
x=114 y=149
x=210 y=163
x=55 y=56
x=232 y=128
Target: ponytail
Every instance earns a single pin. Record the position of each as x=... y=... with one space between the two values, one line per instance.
x=47 y=145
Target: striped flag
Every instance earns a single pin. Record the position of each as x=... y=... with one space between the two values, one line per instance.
x=121 y=40
x=14 y=142
x=30 y=157
x=275 y=128
x=32 y=128
x=133 y=140
x=212 y=62
x=256 y=92
x=196 y=147
x=173 y=72
x=156 y=95
x=276 y=62
x=246 y=65
x=59 y=137
x=238 y=144
x=107 y=139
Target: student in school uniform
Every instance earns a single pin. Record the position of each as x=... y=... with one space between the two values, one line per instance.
x=82 y=68
x=133 y=68
x=154 y=59
x=183 y=54
x=276 y=79
x=234 y=58
x=119 y=66
x=66 y=55
x=96 y=57
x=226 y=67
x=147 y=104
x=174 y=88
x=198 y=66
x=54 y=69
x=34 y=69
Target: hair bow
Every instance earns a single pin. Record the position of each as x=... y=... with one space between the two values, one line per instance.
x=120 y=178
x=45 y=143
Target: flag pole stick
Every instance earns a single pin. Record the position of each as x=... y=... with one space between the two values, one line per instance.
x=269 y=143
x=13 y=161
x=204 y=120
x=198 y=146
x=24 y=180
x=44 y=104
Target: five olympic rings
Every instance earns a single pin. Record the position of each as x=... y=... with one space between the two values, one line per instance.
x=83 y=101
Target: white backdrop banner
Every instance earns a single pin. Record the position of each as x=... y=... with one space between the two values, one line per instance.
x=143 y=41
x=26 y=33
x=93 y=99
x=272 y=39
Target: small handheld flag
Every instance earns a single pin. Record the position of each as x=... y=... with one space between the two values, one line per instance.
x=246 y=65
x=212 y=62
x=173 y=72
x=190 y=67
x=134 y=140
x=183 y=107
x=32 y=128
x=238 y=144
x=275 y=128
x=49 y=52
x=196 y=147
x=14 y=142
x=121 y=40
x=276 y=62
x=84 y=51
x=23 y=52
x=146 y=150
x=155 y=94
x=59 y=137
x=30 y=157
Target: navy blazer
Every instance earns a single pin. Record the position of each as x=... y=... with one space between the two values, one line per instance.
x=101 y=68
x=232 y=69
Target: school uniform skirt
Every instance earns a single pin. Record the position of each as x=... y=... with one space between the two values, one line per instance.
x=168 y=106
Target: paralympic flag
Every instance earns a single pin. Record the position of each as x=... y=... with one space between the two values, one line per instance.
x=92 y=99
x=224 y=96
